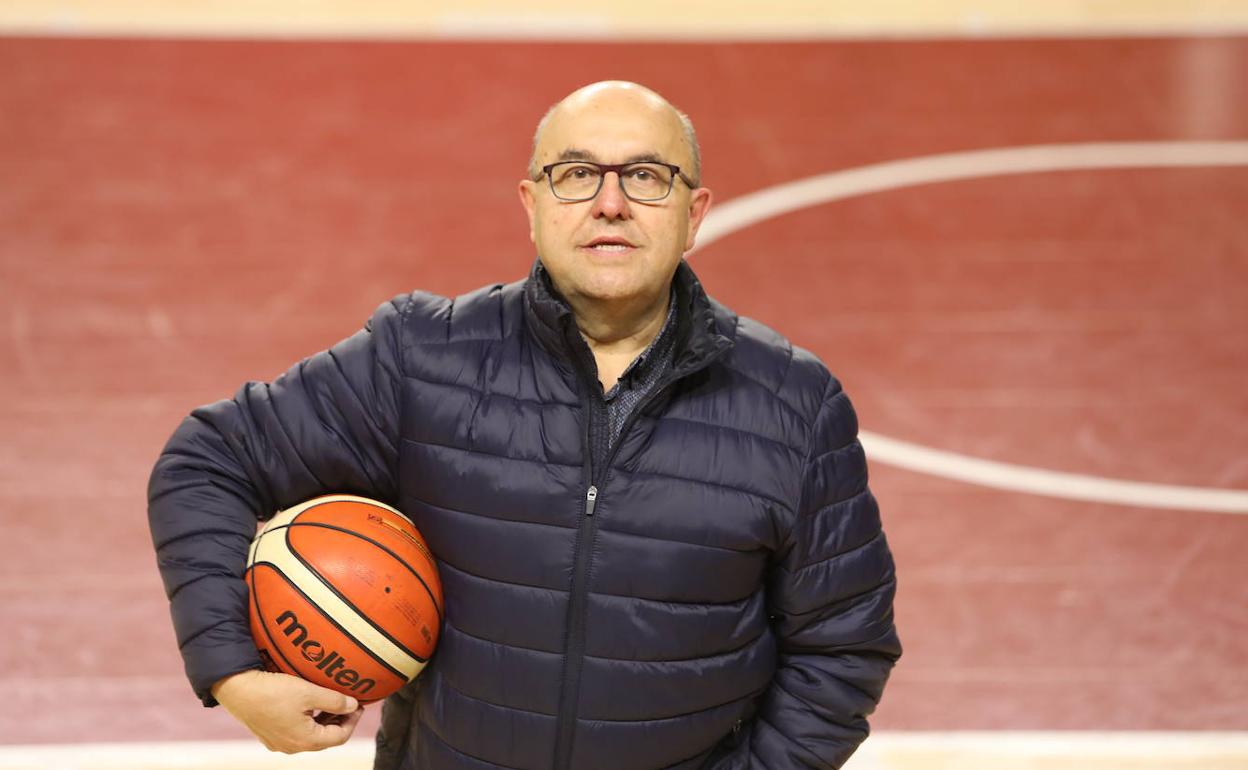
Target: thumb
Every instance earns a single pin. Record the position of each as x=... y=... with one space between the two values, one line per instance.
x=334 y=702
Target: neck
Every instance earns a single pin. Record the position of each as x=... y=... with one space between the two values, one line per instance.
x=623 y=327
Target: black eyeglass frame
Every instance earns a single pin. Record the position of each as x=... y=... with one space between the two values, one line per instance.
x=618 y=168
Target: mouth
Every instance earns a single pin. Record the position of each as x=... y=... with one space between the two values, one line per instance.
x=609 y=245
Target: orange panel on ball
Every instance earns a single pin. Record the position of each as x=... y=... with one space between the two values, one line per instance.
x=381 y=584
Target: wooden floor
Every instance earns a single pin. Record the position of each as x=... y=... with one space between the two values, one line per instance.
x=887 y=751
x=163 y=197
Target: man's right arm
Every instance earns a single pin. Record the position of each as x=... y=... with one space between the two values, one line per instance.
x=329 y=424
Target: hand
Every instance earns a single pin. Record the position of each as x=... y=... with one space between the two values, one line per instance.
x=286 y=713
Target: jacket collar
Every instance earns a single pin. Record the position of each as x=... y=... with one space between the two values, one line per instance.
x=701 y=336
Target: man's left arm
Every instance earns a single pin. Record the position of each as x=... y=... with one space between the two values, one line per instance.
x=830 y=596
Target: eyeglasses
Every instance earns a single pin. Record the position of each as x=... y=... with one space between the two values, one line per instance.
x=580 y=180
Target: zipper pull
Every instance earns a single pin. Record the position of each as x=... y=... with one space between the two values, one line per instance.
x=591 y=497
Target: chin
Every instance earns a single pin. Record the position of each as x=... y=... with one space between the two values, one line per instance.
x=611 y=283
x=610 y=291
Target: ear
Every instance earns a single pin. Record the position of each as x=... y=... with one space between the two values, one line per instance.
x=699 y=204
x=528 y=199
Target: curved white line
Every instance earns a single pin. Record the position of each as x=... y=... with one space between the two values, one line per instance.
x=771 y=202
x=1071 y=486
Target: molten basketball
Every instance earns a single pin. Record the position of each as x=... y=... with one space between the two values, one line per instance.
x=344 y=593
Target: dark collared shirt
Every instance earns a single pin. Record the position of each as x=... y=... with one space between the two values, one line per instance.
x=642 y=375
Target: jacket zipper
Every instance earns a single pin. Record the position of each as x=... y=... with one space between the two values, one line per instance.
x=569 y=698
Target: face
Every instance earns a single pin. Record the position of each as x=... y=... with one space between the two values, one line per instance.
x=612 y=248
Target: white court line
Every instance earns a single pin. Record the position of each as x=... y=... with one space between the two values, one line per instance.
x=1037 y=481
x=966 y=750
x=771 y=202
x=759 y=206
x=182 y=755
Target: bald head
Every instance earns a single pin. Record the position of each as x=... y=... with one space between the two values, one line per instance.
x=616 y=95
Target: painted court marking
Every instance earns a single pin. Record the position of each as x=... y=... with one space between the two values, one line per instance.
x=886 y=750
x=781 y=199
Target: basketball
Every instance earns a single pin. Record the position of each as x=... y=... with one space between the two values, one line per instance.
x=344 y=593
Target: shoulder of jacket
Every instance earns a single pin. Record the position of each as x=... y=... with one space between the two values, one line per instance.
x=488 y=313
x=794 y=374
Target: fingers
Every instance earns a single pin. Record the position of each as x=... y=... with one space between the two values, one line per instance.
x=324 y=699
x=289 y=714
x=336 y=732
x=315 y=732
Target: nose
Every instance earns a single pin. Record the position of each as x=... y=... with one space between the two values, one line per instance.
x=611 y=203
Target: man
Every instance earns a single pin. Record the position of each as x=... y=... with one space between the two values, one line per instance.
x=651 y=517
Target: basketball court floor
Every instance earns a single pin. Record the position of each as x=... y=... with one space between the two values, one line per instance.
x=1020 y=241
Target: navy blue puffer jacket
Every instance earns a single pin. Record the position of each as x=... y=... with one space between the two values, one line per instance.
x=725 y=602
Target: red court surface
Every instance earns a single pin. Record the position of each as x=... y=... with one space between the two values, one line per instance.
x=179 y=217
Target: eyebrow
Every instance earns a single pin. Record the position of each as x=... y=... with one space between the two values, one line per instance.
x=573 y=153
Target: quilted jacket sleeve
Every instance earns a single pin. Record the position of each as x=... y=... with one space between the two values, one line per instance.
x=329 y=424
x=830 y=597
